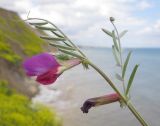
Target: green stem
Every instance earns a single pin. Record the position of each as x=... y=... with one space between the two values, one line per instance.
x=107 y=79
x=120 y=54
x=129 y=104
x=136 y=114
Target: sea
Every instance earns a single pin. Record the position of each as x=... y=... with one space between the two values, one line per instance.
x=67 y=95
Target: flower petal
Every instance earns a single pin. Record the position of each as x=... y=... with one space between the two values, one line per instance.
x=40 y=64
x=48 y=77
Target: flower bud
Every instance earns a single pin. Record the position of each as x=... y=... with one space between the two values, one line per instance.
x=93 y=102
x=112 y=19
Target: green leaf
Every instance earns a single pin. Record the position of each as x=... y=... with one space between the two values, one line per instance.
x=70 y=53
x=51 y=38
x=107 y=32
x=115 y=55
x=39 y=23
x=122 y=104
x=125 y=64
x=61 y=46
x=122 y=33
x=119 y=77
x=131 y=79
x=45 y=28
x=63 y=57
x=85 y=64
x=114 y=40
x=67 y=44
x=58 y=35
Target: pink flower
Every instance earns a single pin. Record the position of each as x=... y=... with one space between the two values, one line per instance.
x=93 y=102
x=46 y=67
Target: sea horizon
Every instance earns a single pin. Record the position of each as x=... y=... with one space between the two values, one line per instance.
x=102 y=47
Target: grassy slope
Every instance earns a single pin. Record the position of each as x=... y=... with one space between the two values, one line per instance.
x=18 y=110
x=17 y=41
x=15 y=34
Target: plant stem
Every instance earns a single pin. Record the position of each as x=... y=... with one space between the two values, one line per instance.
x=107 y=79
x=136 y=114
x=129 y=104
x=120 y=54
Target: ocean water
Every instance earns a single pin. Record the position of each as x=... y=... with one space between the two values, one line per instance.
x=73 y=87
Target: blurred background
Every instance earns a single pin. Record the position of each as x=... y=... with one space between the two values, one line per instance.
x=23 y=102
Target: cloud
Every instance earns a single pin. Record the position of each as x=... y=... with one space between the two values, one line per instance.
x=144 y=5
x=19 y=6
x=151 y=29
x=82 y=20
x=157 y=25
x=145 y=30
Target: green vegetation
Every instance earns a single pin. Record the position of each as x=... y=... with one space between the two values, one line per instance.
x=6 y=52
x=16 y=38
x=17 y=110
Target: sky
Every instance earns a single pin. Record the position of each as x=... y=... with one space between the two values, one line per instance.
x=82 y=20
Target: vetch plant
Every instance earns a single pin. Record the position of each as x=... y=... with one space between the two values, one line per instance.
x=48 y=67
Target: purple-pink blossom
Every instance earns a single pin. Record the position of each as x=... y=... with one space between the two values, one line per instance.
x=46 y=67
x=39 y=64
